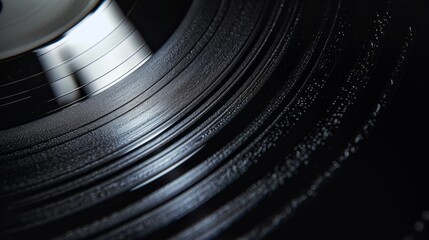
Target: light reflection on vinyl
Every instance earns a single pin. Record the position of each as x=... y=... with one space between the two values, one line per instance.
x=26 y=25
x=100 y=50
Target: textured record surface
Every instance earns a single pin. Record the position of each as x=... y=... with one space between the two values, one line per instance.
x=225 y=132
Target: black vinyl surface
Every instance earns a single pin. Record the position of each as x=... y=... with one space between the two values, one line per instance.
x=253 y=119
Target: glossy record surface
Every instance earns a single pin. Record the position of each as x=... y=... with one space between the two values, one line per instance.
x=225 y=132
x=102 y=49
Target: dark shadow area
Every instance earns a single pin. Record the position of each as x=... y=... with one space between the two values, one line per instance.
x=382 y=192
x=157 y=20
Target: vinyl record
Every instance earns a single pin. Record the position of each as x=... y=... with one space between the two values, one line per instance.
x=127 y=119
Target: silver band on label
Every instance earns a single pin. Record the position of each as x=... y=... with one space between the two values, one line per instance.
x=94 y=54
